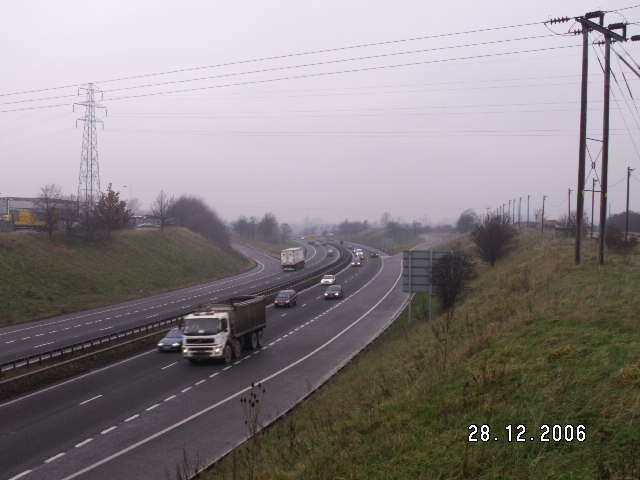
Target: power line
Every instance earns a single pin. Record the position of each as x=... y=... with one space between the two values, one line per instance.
x=287 y=67
x=311 y=75
x=284 y=56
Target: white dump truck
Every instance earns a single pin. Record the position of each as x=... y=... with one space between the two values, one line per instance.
x=292 y=258
x=221 y=330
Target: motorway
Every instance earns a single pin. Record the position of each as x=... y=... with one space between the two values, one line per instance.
x=141 y=417
x=22 y=340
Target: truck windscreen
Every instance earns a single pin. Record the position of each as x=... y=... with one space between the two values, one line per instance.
x=201 y=326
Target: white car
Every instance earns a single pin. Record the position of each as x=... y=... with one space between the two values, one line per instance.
x=328 y=280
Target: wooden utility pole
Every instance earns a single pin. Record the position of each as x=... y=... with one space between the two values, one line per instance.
x=609 y=35
x=583 y=140
x=626 y=220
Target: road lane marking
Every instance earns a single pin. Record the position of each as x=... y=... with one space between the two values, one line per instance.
x=90 y=400
x=234 y=395
x=20 y=475
x=82 y=444
x=170 y=365
x=132 y=418
x=170 y=398
x=152 y=407
x=54 y=458
x=110 y=429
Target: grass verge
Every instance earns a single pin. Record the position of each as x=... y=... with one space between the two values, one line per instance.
x=537 y=347
x=41 y=277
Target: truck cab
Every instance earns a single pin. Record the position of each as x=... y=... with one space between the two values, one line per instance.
x=221 y=330
x=205 y=335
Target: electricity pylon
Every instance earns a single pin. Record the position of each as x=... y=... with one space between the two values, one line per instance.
x=89 y=179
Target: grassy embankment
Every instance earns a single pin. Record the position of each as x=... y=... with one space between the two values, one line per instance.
x=41 y=277
x=536 y=341
x=382 y=239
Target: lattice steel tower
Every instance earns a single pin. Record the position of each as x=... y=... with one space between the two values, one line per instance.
x=89 y=181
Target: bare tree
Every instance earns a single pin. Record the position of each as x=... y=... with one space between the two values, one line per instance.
x=70 y=214
x=268 y=226
x=161 y=208
x=385 y=218
x=50 y=200
x=494 y=237
x=467 y=220
x=194 y=214
x=285 y=231
x=241 y=226
x=450 y=275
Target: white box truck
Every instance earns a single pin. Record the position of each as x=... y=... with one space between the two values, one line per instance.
x=292 y=258
x=220 y=331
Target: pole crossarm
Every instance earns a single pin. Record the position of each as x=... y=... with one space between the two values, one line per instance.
x=588 y=24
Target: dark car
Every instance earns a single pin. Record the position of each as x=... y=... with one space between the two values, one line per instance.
x=356 y=262
x=172 y=341
x=374 y=254
x=286 y=298
x=334 y=291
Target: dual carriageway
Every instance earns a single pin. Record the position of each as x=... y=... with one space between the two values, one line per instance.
x=146 y=414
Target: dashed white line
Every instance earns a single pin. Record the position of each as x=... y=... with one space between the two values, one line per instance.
x=110 y=429
x=170 y=365
x=132 y=418
x=213 y=374
x=20 y=475
x=82 y=444
x=90 y=400
x=152 y=407
x=184 y=390
x=170 y=398
x=54 y=458
x=200 y=382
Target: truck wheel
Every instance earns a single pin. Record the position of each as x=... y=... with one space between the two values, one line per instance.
x=254 y=340
x=260 y=335
x=227 y=353
x=237 y=348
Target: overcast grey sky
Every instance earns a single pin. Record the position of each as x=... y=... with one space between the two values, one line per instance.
x=329 y=111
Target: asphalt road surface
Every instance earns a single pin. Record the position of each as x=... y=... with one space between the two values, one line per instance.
x=141 y=417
